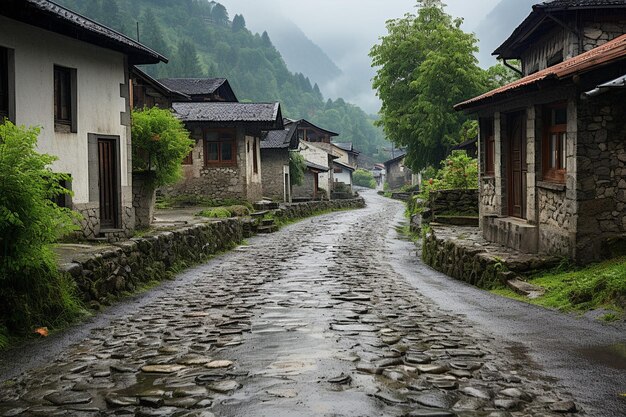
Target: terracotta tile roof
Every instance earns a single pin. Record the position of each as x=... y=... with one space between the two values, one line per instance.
x=602 y=55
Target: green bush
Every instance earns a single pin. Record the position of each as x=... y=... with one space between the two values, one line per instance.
x=458 y=171
x=363 y=178
x=297 y=168
x=160 y=143
x=32 y=292
x=216 y=212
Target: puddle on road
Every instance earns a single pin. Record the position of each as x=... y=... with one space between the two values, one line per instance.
x=613 y=356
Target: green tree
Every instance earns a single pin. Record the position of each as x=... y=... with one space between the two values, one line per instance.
x=239 y=23
x=363 y=178
x=219 y=14
x=187 y=63
x=151 y=35
x=160 y=142
x=425 y=65
x=32 y=292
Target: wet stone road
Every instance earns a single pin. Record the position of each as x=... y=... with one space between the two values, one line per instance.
x=310 y=321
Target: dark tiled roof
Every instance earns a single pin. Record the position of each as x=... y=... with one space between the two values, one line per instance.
x=228 y=112
x=194 y=86
x=162 y=88
x=578 y=4
x=401 y=155
x=53 y=17
x=538 y=20
x=280 y=139
x=350 y=167
x=315 y=166
x=607 y=53
x=346 y=146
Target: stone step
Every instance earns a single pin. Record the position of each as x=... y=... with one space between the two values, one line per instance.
x=525 y=288
x=457 y=220
x=261 y=213
x=265 y=205
x=267 y=229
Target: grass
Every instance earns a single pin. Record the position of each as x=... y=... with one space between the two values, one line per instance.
x=574 y=289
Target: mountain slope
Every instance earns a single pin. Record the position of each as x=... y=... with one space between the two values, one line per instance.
x=201 y=40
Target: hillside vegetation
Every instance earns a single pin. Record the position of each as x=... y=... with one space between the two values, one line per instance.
x=202 y=40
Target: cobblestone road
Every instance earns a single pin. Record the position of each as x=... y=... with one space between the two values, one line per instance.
x=310 y=321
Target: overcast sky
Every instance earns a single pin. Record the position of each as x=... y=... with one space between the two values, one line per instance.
x=346 y=30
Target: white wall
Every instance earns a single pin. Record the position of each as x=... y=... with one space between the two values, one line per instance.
x=320 y=157
x=99 y=105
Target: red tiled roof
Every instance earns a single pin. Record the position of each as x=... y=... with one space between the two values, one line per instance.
x=602 y=55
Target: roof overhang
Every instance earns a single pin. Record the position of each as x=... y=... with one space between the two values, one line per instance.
x=341 y=164
x=616 y=84
x=52 y=17
x=258 y=116
x=158 y=86
x=598 y=57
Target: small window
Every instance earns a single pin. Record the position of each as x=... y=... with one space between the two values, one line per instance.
x=486 y=126
x=555 y=143
x=4 y=84
x=64 y=99
x=219 y=148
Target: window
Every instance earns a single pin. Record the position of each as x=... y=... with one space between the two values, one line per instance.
x=64 y=99
x=219 y=147
x=4 y=83
x=486 y=128
x=555 y=143
x=255 y=157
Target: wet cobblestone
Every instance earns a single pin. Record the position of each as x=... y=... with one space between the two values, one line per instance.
x=312 y=321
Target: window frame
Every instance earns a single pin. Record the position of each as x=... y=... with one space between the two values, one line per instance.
x=554 y=169
x=221 y=142
x=65 y=96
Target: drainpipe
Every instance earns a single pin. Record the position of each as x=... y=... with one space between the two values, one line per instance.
x=506 y=64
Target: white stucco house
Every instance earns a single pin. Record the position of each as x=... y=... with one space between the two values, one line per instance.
x=70 y=76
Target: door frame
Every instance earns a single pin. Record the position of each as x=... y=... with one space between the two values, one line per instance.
x=94 y=176
x=523 y=166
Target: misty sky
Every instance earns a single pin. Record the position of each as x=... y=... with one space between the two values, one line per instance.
x=346 y=30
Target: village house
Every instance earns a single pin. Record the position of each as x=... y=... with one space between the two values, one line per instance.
x=552 y=144
x=397 y=174
x=70 y=76
x=317 y=150
x=225 y=162
x=344 y=166
x=147 y=92
x=276 y=149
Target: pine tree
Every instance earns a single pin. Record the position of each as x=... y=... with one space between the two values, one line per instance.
x=186 y=63
x=239 y=23
x=219 y=14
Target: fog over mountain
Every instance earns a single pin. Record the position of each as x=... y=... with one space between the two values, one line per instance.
x=347 y=29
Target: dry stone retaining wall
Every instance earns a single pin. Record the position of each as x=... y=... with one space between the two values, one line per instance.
x=123 y=267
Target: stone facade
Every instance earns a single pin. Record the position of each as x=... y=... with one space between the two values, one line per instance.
x=275 y=165
x=561 y=44
x=306 y=190
x=398 y=175
x=238 y=181
x=143 y=201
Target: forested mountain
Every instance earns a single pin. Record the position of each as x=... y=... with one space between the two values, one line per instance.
x=201 y=40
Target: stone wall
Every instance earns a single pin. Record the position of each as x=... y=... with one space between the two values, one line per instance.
x=398 y=175
x=306 y=189
x=555 y=220
x=309 y=208
x=143 y=201
x=601 y=184
x=90 y=223
x=104 y=274
x=598 y=33
x=125 y=266
x=454 y=201
x=273 y=162
x=487 y=195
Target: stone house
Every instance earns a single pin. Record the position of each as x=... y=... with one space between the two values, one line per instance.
x=276 y=148
x=319 y=153
x=149 y=92
x=345 y=165
x=552 y=144
x=397 y=174
x=225 y=162
x=70 y=75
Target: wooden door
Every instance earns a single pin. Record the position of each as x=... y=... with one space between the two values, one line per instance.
x=516 y=135
x=107 y=183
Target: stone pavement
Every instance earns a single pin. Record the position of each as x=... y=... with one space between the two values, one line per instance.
x=309 y=321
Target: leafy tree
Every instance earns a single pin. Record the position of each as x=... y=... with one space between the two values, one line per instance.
x=219 y=14
x=239 y=23
x=425 y=64
x=32 y=292
x=499 y=75
x=160 y=142
x=297 y=168
x=187 y=63
x=151 y=35
x=458 y=171
x=363 y=178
